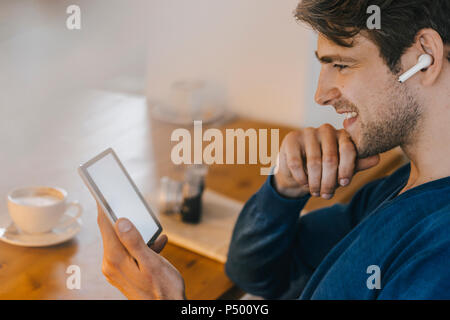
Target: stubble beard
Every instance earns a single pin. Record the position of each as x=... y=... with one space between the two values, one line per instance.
x=397 y=126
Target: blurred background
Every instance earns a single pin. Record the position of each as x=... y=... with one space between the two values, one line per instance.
x=253 y=52
x=66 y=95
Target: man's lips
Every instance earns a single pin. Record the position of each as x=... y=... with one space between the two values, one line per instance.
x=347 y=112
x=348 y=122
x=350 y=115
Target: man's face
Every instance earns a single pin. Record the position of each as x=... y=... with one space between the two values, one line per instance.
x=358 y=80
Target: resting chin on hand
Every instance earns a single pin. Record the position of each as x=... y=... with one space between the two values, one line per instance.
x=138 y=271
x=317 y=161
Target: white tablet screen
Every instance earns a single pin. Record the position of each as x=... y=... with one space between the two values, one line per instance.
x=121 y=196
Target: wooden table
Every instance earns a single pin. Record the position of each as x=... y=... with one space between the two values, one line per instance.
x=44 y=145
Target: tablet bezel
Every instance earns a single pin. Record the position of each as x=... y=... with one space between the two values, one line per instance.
x=100 y=198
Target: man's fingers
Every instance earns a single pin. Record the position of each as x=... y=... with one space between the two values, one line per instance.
x=330 y=161
x=130 y=238
x=113 y=249
x=366 y=163
x=159 y=244
x=347 y=157
x=313 y=161
x=294 y=162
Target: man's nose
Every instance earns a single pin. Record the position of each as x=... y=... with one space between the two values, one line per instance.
x=326 y=91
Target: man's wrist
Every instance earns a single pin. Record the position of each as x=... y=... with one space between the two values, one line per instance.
x=287 y=193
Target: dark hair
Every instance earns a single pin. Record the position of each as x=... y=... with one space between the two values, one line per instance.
x=401 y=20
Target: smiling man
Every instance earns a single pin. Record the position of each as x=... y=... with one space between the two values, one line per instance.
x=392 y=241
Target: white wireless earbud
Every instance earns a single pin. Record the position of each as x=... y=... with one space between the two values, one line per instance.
x=425 y=61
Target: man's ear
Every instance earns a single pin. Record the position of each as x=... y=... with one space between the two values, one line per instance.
x=430 y=42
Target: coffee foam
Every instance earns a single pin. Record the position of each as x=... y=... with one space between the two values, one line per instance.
x=39 y=201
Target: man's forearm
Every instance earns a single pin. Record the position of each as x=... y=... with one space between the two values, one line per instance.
x=259 y=257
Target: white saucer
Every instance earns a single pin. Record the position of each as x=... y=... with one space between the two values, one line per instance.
x=58 y=234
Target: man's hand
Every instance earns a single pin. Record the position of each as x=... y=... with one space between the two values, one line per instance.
x=317 y=161
x=138 y=271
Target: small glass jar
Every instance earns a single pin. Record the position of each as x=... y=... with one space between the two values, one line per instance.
x=184 y=197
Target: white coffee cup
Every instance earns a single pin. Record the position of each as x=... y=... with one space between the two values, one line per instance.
x=39 y=209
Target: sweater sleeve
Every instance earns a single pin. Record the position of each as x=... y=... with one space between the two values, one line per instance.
x=273 y=251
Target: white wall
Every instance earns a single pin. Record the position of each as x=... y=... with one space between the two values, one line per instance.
x=253 y=49
x=41 y=59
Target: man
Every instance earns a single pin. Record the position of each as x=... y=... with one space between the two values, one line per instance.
x=392 y=241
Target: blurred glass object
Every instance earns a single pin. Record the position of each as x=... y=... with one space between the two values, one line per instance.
x=190 y=100
x=184 y=197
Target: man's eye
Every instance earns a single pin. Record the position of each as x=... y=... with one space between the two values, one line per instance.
x=340 y=66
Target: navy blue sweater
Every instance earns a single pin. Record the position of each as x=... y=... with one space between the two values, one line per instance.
x=378 y=246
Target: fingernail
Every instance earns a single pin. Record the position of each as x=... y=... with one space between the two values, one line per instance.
x=327 y=196
x=124 y=225
x=316 y=194
x=344 y=182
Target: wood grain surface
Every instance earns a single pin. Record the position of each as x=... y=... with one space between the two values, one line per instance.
x=45 y=145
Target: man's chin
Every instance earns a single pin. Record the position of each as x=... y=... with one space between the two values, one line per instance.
x=364 y=144
x=355 y=137
x=365 y=150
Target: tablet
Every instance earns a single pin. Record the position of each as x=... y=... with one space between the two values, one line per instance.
x=117 y=194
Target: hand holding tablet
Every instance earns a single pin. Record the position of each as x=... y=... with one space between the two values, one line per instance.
x=117 y=194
